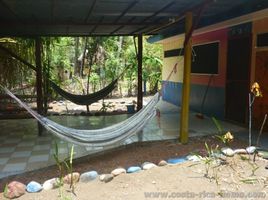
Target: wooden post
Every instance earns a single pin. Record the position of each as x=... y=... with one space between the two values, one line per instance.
x=40 y=105
x=184 y=123
x=140 y=96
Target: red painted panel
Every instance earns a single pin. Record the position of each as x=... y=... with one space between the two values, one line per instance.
x=218 y=80
x=260 y=107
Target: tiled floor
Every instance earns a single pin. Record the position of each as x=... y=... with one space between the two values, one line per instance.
x=21 y=149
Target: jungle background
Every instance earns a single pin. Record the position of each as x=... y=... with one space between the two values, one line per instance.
x=81 y=65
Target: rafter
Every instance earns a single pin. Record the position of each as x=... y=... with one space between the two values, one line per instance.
x=52 y=10
x=35 y=22
x=9 y=9
x=90 y=11
x=159 y=11
x=131 y=4
x=153 y=15
x=179 y=17
x=120 y=27
x=96 y=26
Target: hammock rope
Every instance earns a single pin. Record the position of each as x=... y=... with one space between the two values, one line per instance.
x=89 y=98
x=103 y=137
x=85 y=99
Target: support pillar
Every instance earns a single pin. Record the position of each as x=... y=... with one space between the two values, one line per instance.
x=39 y=71
x=184 y=121
x=140 y=95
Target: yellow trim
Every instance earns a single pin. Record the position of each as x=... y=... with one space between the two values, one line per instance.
x=184 y=123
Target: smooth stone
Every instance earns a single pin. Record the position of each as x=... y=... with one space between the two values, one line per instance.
x=106 y=177
x=51 y=184
x=251 y=149
x=88 y=176
x=15 y=189
x=33 y=187
x=67 y=179
x=266 y=167
x=162 y=163
x=147 y=166
x=102 y=176
x=133 y=169
x=227 y=151
x=118 y=171
x=176 y=160
x=145 y=163
x=240 y=151
x=193 y=158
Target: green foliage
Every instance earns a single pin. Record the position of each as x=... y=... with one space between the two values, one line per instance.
x=217 y=124
x=14 y=73
x=94 y=79
x=68 y=163
x=5 y=191
x=250 y=180
x=106 y=58
x=61 y=170
x=210 y=159
x=106 y=106
x=152 y=65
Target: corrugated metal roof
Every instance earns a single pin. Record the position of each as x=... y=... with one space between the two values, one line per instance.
x=108 y=17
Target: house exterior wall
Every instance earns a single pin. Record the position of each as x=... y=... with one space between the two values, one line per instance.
x=259 y=71
x=172 y=87
x=214 y=103
x=258 y=26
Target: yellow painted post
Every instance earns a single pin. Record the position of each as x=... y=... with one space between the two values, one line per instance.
x=184 y=123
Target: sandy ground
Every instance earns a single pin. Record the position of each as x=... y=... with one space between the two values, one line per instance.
x=182 y=181
x=237 y=176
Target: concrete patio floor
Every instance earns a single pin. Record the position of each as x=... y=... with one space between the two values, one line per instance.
x=21 y=149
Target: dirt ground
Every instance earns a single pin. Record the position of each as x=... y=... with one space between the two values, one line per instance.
x=232 y=175
x=110 y=106
x=113 y=105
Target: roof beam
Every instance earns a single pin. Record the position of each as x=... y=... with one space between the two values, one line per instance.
x=9 y=9
x=90 y=11
x=96 y=26
x=181 y=16
x=130 y=5
x=52 y=11
x=159 y=11
x=153 y=15
x=120 y=27
x=34 y=22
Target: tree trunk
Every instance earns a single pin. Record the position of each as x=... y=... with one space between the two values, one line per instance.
x=83 y=59
x=119 y=52
x=76 y=54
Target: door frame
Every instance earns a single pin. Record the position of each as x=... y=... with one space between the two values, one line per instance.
x=230 y=38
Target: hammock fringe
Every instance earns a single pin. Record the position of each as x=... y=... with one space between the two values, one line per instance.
x=103 y=137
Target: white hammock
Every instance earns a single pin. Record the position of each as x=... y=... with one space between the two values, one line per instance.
x=98 y=137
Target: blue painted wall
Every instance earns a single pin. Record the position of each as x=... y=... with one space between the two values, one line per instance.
x=214 y=103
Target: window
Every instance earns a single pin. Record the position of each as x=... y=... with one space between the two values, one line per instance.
x=262 y=40
x=205 y=58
